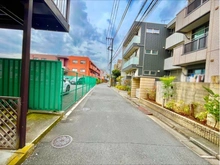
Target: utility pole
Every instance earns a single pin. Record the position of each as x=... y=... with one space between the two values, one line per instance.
x=111 y=49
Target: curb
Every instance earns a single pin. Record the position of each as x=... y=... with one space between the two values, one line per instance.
x=37 y=139
x=172 y=125
x=20 y=155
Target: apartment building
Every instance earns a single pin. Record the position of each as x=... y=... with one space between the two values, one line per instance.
x=193 y=44
x=118 y=65
x=144 y=50
x=83 y=65
x=63 y=59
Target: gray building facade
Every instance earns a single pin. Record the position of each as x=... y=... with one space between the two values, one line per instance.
x=144 y=50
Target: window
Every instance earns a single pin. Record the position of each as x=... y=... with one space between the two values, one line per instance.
x=74 y=69
x=82 y=70
x=150 y=72
x=35 y=58
x=155 y=31
x=75 y=61
x=82 y=62
x=200 y=32
x=152 y=52
x=43 y=59
x=146 y=72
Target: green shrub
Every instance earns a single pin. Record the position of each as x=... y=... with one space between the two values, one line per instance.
x=201 y=116
x=167 y=87
x=212 y=104
x=170 y=104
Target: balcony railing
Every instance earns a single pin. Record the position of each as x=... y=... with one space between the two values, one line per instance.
x=195 y=45
x=62 y=6
x=136 y=39
x=131 y=61
x=196 y=3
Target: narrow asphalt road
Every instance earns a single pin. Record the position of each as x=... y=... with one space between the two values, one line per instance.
x=106 y=129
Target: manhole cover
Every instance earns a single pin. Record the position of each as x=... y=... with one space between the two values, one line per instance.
x=61 y=141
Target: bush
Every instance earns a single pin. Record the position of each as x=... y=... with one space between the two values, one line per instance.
x=151 y=94
x=170 y=104
x=201 y=116
x=179 y=107
x=123 y=87
x=212 y=104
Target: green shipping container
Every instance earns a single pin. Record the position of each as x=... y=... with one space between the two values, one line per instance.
x=45 y=82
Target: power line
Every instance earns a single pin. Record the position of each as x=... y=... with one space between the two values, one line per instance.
x=114 y=19
x=147 y=11
x=123 y=16
x=115 y=55
x=111 y=17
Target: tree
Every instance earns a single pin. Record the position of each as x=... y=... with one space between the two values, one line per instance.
x=212 y=104
x=116 y=73
x=167 y=87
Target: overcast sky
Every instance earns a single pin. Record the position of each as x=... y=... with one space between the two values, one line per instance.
x=89 y=21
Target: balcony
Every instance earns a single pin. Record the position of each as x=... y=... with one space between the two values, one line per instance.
x=131 y=47
x=195 y=4
x=168 y=64
x=194 y=15
x=196 y=45
x=130 y=64
x=173 y=40
x=47 y=14
x=193 y=57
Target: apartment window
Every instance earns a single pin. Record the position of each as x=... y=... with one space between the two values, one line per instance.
x=75 y=61
x=35 y=58
x=152 y=52
x=200 y=32
x=82 y=70
x=74 y=69
x=150 y=72
x=82 y=62
x=43 y=59
x=153 y=31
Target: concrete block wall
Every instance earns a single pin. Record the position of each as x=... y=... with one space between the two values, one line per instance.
x=135 y=84
x=146 y=83
x=190 y=92
x=185 y=91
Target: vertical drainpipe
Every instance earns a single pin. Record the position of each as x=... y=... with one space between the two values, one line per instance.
x=24 y=87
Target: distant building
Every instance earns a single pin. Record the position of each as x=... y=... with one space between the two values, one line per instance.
x=63 y=59
x=103 y=75
x=118 y=65
x=83 y=65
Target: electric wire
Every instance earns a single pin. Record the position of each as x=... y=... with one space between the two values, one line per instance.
x=122 y=18
x=144 y=15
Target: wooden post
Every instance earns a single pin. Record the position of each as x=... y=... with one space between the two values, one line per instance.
x=24 y=87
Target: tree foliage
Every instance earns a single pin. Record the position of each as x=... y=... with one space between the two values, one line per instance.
x=167 y=86
x=116 y=73
x=212 y=103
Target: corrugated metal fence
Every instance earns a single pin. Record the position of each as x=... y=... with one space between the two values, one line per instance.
x=47 y=89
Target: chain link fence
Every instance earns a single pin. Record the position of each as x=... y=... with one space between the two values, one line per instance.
x=75 y=86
